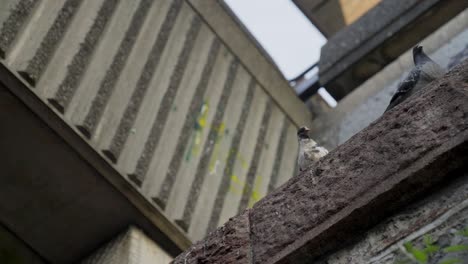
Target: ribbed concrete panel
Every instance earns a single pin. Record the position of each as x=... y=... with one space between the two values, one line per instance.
x=255 y=162
x=195 y=214
x=75 y=71
x=216 y=151
x=166 y=80
x=169 y=161
x=267 y=160
x=40 y=61
x=279 y=157
x=204 y=53
x=189 y=142
x=205 y=139
x=288 y=165
x=116 y=72
x=13 y=15
x=49 y=68
x=230 y=193
x=152 y=82
x=160 y=97
x=103 y=58
x=6 y=11
x=28 y=40
x=168 y=98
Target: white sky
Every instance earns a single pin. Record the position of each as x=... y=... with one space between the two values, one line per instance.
x=283 y=31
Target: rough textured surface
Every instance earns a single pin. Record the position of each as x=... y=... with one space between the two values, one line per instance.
x=81 y=59
x=249 y=181
x=279 y=154
x=43 y=55
x=138 y=94
x=215 y=130
x=228 y=244
x=402 y=155
x=108 y=83
x=195 y=105
x=168 y=99
x=224 y=185
x=12 y=25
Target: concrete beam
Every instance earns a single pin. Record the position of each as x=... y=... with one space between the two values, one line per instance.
x=62 y=189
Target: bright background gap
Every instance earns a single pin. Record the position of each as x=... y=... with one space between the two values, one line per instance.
x=290 y=39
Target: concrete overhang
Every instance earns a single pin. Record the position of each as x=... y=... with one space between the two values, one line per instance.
x=57 y=193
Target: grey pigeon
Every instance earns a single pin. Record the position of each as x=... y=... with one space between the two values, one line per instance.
x=425 y=71
x=309 y=151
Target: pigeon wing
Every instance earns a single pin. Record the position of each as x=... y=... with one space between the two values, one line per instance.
x=405 y=88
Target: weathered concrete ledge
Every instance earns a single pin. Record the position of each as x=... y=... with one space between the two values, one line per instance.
x=399 y=157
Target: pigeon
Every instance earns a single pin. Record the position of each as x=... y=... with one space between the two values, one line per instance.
x=309 y=151
x=425 y=71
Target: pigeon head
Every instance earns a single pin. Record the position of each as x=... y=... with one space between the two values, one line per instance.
x=303 y=132
x=419 y=57
x=417 y=50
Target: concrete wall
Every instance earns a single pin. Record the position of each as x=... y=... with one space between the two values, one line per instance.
x=130 y=247
x=169 y=102
x=332 y=127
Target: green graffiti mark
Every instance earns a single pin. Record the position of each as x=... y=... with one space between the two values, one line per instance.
x=236 y=185
x=214 y=161
x=195 y=141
